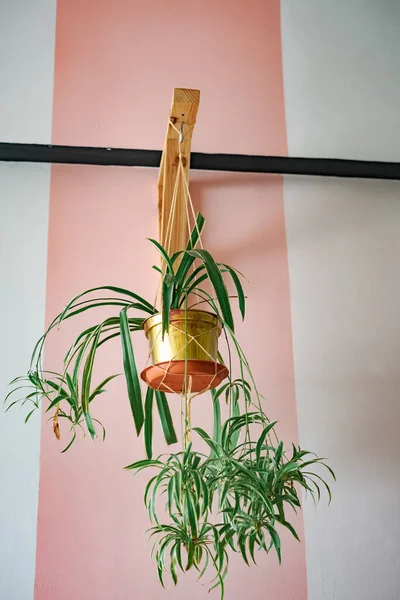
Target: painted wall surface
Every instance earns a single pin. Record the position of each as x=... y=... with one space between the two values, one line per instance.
x=108 y=213
x=94 y=500
x=342 y=97
x=27 y=34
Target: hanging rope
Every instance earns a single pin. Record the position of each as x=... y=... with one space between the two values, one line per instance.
x=180 y=180
x=181 y=183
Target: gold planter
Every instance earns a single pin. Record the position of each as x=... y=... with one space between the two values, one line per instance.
x=193 y=336
x=187 y=356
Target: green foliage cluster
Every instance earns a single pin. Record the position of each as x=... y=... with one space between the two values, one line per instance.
x=233 y=497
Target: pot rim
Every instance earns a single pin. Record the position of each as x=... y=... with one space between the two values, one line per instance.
x=147 y=327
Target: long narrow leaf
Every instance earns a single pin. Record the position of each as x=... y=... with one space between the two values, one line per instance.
x=70 y=443
x=164 y=255
x=217 y=417
x=148 y=422
x=111 y=288
x=262 y=437
x=187 y=259
x=165 y=418
x=100 y=387
x=218 y=284
x=239 y=289
x=86 y=381
x=131 y=374
x=167 y=293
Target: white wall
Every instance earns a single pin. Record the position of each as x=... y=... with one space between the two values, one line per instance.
x=27 y=33
x=27 y=36
x=341 y=62
x=342 y=95
x=344 y=252
x=23 y=257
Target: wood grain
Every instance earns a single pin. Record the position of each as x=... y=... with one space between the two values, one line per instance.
x=182 y=117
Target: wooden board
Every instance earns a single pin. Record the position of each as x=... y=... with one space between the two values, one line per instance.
x=173 y=230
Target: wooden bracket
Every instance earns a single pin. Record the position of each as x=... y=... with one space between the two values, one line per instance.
x=173 y=230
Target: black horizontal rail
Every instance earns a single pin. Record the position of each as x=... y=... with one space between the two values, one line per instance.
x=325 y=167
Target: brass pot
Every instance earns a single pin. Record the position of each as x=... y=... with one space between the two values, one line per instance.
x=192 y=335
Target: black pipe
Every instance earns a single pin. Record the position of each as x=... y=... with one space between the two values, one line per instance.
x=326 y=167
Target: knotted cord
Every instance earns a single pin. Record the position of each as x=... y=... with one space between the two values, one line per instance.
x=181 y=180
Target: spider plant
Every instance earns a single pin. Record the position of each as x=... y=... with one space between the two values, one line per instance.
x=234 y=496
x=232 y=499
x=62 y=396
x=183 y=275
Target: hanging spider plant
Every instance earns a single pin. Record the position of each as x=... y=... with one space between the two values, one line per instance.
x=234 y=497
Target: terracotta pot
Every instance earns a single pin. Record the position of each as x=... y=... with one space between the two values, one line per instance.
x=188 y=352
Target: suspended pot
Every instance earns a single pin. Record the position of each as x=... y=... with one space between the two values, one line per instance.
x=187 y=358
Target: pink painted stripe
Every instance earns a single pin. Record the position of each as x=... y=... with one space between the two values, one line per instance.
x=116 y=66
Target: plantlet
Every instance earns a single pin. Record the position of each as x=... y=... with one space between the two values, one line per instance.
x=232 y=499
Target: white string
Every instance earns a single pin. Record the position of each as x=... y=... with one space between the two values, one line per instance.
x=180 y=179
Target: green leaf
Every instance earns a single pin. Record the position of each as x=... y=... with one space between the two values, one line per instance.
x=131 y=374
x=242 y=548
x=216 y=448
x=164 y=255
x=234 y=435
x=148 y=422
x=328 y=489
x=111 y=288
x=251 y=548
x=89 y=425
x=190 y=552
x=187 y=259
x=177 y=487
x=166 y=298
x=100 y=387
x=160 y=577
x=173 y=568
x=12 y=404
x=190 y=512
x=165 y=418
x=291 y=529
x=194 y=286
x=196 y=232
x=218 y=284
x=179 y=556
x=28 y=416
x=170 y=503
x=144 y=464
x=86 y=381
x=192 y=277
x=278 y=453
x=54 y=402
x=217 y=417
x=224 y=493
x=72 y=389
x=262 y=437
x=70 y=443
x=276 y=541
x=239 y=289
x=57 y=387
